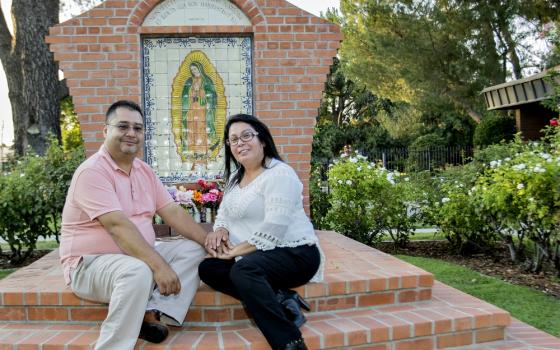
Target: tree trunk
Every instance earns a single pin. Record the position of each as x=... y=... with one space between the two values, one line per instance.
x=32 y=73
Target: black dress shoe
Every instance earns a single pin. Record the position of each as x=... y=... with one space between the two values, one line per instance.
x=153 y=331
x=296 y=345
x=292 y=302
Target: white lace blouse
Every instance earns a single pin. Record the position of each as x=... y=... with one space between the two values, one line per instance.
x=268 y=212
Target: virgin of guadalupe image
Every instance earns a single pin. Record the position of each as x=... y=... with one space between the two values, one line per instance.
x=198 y=111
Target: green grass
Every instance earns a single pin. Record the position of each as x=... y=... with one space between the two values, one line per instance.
x=530 y=306
x=6 y=272
x=419 y=236
x=41 y=245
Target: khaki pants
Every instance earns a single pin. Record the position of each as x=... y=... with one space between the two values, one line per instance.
x=126 y=283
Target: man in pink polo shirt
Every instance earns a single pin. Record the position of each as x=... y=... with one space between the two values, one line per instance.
x=107 y=245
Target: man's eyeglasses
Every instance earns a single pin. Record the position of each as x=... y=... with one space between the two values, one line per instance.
x=124 y=127
x=245 y=137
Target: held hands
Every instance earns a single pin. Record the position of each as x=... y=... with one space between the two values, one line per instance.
x=217 y=243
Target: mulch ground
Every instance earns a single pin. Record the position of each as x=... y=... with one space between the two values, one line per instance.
x=7 y=263
x=499 y=265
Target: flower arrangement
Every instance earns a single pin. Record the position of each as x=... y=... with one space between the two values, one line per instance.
x=202 y=201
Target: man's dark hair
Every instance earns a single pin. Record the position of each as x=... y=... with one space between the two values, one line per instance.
x=130 y=105
x=264 y=136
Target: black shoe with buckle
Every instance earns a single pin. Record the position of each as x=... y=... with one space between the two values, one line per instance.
x=154 y=332
x=292 y=303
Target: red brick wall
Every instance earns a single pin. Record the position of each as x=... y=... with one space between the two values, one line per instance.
x=99 y=52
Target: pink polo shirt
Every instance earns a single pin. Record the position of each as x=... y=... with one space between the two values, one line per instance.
x=98 y=187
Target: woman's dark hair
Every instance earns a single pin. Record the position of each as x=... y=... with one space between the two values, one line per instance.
x=264 y=136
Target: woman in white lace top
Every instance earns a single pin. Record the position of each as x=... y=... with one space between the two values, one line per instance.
x=263 y=241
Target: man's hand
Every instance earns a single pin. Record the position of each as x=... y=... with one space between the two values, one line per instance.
x=167 y=280
x=217 y=242
x=128 y=238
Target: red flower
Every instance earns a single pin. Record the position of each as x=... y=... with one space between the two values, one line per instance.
x=554 y=122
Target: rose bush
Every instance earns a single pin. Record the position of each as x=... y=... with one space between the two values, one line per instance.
x=367 y=201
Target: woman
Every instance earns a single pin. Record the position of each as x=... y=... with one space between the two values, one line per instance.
x=199 y=108
x=264 y=242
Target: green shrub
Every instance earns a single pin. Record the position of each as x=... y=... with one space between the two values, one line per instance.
x=455 y=212
x=523 y=193
x=32 y=196
x=367 y=202
x=318 y=196
x=70 y=126
x=494 y=129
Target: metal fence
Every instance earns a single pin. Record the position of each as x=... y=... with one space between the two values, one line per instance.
x=419 y=159
x=408 y=160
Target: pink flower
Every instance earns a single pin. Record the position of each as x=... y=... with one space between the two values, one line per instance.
x=554 y=122
x=209 y=197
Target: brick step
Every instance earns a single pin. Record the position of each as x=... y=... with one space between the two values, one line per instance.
x=520 y=336
x=356 y=276
x=460 y=321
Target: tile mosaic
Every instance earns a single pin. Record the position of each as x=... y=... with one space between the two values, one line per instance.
x=189 y=125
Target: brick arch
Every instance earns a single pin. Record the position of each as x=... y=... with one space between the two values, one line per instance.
x=143 y=8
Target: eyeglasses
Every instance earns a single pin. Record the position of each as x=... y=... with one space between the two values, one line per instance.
x=124 y=127
x=245 y=137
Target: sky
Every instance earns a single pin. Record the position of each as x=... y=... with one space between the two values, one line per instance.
x=6 y=127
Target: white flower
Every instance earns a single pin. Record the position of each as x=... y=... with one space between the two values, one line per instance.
x=369 y=166
x=520 y=186
x=22 y=175
x=494 y=164
x=445 y=200
x=519 y=166
x=361 y=157
x=507 y=159
x=339 y=182
x=531 y=199
x=539 y=169
x=545 y=155
x=343 y=155
x=349 y=182
x=407 y=179
x=359 y=168
x=353 y=160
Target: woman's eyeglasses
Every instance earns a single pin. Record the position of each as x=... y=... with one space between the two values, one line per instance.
x=245 y=137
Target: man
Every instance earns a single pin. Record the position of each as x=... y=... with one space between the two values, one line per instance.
x=107 y=245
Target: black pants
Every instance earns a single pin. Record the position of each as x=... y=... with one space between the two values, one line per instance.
x=257 y=277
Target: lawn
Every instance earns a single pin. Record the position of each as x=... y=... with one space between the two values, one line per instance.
x=528 y=305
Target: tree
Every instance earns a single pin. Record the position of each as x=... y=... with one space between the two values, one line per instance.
x=439 y=50
x=32 y=73
x=344 y=101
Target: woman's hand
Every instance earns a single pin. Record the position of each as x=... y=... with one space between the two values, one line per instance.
x=217 y=242
x=238 y=250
